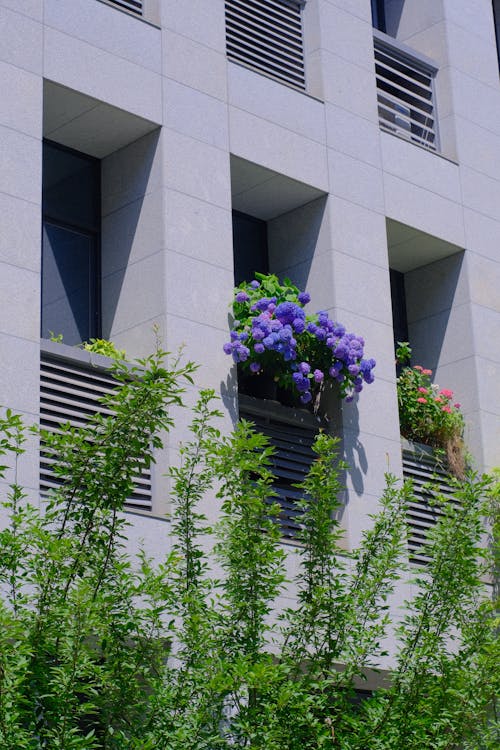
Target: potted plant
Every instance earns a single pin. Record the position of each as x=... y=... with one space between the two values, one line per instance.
x=272 y=335
x=429 y=414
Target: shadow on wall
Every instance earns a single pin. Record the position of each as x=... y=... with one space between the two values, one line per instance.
x=393 y=10
x=353 y=451
x=432 y=291
x=294 y=241
x=132 y=228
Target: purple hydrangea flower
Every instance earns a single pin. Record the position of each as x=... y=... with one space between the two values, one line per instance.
x=318 y=376
x=298 y=325
x=259 y=348
x=242 y=297
x=255 y=284
x=228 y=348
x=287 y=312
x=304 y=298
x=306 y=397
x=304 y=368
x=254 y=367
x=262 y=304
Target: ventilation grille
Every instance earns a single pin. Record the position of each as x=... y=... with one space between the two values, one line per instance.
x=267 y=36
x=70 y=392
x=405 y=95
x=134 y=6
x=422 y=513
x=291 y=462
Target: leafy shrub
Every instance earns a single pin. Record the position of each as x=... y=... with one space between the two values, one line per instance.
x=101 y=651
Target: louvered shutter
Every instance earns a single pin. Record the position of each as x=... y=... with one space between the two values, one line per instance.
x=267 y=36
x=70 y=392
x=422 y=513
x=134 y=6
x=292 y=460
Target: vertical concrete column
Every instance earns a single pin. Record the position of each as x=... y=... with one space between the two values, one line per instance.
x=197 y=188
x=473 y=63
x=20 y=199
x=198 y=253
x=356 y=265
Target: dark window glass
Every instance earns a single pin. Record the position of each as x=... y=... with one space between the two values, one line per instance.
x=398 y=296
x=496 y=19
x=249 y=247
x=378 y=15
x=68 y=288
x=70 y=244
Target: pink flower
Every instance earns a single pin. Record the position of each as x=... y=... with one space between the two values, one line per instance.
x=457 y=405
x=426 y=372
x=422 y=390
x=446 y=393
x=438 y=400
x=422 y=400
x=446 y=409
x=418 y=367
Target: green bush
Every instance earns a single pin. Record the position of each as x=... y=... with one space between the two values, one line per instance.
x=99 y=651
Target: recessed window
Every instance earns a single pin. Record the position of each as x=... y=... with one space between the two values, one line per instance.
x=249 y=247
x=378 y=15
x=399 y=315
x=496 y=20
x=70 y=244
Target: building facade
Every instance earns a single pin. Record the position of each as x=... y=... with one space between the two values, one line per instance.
x=150 y=149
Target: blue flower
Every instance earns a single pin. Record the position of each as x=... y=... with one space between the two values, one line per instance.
x=287 y=312
x=298 y=325
x=255 y=284
x=306 y=397
x=242 y=297
x=304 y=298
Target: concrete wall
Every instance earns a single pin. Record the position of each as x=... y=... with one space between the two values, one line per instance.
x=165 y=111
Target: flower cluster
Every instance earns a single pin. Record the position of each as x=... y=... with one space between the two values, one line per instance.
x=427 y=413
x=271 y=333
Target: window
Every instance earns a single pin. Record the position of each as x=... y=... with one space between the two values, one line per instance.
x=378 y=15
x=496 y=20
x=70 y=244
x=405 y=93
x=250 y=251
x=398 y=299
x=267 y=35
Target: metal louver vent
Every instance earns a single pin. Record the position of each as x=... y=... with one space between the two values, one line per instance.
x=422 y=513
x=267 y=36
x=134 y=6
x=292 y=460
x=70 y=392
x=405 y=94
